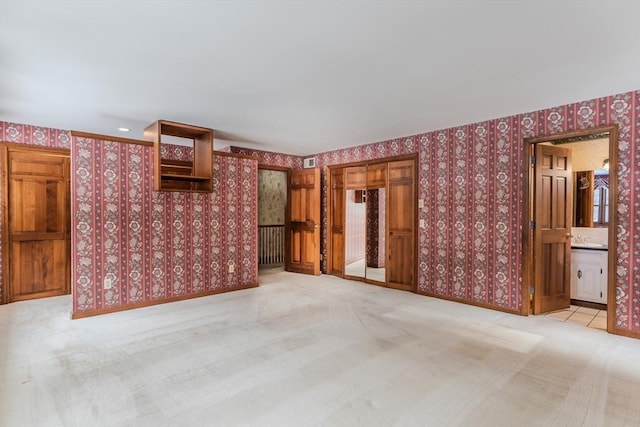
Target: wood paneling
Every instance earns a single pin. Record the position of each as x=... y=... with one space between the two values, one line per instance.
x=377 y=175
x=401 y=225
x=355 y=178
x=553 y=194
x=303 y=219
x=336 y=218
x=37 y=217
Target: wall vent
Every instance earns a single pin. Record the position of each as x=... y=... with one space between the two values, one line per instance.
x=310 y=162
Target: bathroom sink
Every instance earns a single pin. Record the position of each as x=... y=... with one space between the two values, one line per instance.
x=587 y=245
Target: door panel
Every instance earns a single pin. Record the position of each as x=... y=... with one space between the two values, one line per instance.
x=401 y=225
x=38 y=223
x=355 y=177
x=337 y=222
x=552 y=242
x=304 y=222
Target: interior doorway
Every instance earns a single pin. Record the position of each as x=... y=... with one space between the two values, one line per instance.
x=563 y=244
x=272 y=202
x=36 y=222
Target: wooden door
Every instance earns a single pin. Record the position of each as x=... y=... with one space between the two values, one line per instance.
x=552 y=233
x=336 y=218
x=401 y=222
x=37 y=217
x=303 y=249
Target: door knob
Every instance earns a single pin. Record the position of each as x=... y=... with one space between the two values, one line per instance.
x=568 y=235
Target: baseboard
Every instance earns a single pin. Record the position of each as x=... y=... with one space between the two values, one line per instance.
x=106 y=310
x=474 y=303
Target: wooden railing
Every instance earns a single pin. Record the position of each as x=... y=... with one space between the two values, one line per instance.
x=270 y=244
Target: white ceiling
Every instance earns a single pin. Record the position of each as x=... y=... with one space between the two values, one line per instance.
x=304 y=77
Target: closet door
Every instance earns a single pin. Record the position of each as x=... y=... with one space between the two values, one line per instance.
x=355 y=221
x=401 y=222
x=337 y=222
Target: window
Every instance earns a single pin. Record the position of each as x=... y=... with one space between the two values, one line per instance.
x=601 y=201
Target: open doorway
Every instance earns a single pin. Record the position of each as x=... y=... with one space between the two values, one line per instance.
x=570 y=245
x=272 y=202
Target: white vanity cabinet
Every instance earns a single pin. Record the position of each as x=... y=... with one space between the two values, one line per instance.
x=589 y=275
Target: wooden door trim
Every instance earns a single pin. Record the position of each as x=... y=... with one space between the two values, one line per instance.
x=5 y=148
x=287 y=218
x=329 y=227
x=527 y=215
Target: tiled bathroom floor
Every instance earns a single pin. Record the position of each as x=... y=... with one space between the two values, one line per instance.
x=590 y=317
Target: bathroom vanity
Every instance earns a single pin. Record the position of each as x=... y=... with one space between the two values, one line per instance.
x=589 y=272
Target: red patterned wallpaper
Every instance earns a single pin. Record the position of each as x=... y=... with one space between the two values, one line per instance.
x=157 y=245
x=469 y=177
x=31 y=135
x=269 y=158
x=470 y=180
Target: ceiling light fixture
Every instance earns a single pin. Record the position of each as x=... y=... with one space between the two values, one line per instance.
x=124 y=129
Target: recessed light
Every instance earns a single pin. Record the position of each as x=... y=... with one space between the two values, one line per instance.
x=124 y=129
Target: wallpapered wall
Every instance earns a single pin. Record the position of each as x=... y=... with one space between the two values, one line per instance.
x=157 y=245
x=151 y=245
x=30 y=135
x=272 y=197
x=469 y=177
x=269 y=158
x=470 y=180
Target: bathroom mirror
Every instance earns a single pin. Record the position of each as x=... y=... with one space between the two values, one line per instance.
x=355 y=232
x=591 y=198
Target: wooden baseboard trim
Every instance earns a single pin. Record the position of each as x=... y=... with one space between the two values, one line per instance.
x=108 y=310
x=477 y=304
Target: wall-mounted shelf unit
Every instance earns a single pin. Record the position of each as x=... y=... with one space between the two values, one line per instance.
x=195 y=175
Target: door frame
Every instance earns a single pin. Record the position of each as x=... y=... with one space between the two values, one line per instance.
x=5 y=148
x=329 y=207
x=286 y=205
x=528 y=214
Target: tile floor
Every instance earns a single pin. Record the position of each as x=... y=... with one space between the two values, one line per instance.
x=591 y=317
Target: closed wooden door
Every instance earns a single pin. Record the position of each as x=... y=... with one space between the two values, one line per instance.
x=303 y=249
x=337 y=217
x=37 y=216
x=401 y=225
x=552 y=235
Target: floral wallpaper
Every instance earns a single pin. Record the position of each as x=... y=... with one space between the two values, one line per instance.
x=151 y=245
x=470 y=180
x=176 y=152
x=18 y=133
x=272 y=197
x=269 y=158
x=376 y=227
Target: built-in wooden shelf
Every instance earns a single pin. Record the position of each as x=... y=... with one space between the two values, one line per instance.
x=195 y=175
x=177 y=177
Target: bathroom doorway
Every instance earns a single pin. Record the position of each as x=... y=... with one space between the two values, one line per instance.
x=569 y=250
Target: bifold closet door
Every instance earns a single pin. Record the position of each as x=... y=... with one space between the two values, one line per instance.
x=337 y=222
x=401 y=222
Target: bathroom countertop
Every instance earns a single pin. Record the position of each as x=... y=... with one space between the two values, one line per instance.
x=590 y=246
